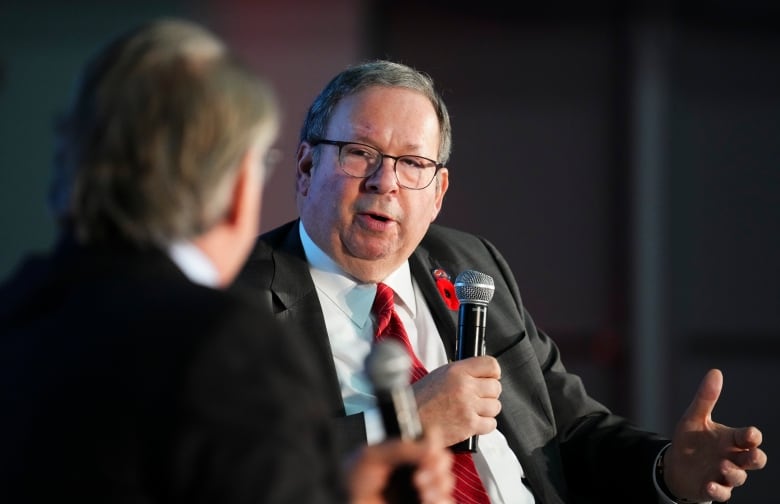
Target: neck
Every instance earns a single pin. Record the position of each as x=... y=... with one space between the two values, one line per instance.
x=220 y=252
x=369 y=271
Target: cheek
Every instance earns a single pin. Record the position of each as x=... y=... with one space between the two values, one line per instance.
x=323 y=197
x=302 y=184
x=417 y=219
x=426 y=211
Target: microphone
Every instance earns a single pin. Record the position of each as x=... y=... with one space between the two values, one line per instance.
x=389 y=369
x=474 y=291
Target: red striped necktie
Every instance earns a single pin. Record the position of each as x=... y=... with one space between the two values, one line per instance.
x=468 y=486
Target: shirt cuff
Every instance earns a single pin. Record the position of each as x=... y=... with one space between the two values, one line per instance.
x=375 y=429
x=664 y=495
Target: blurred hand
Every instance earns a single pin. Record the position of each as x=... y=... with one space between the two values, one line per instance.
x=369 y=470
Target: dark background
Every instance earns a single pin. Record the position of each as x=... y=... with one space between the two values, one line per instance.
x=625 y=157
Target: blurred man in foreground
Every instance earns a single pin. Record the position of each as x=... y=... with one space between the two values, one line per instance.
x=128 y=373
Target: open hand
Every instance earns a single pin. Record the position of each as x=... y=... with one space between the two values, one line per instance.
x=707 y=460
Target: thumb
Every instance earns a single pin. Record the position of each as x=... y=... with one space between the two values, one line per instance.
x=706 y=396
x=434 y=436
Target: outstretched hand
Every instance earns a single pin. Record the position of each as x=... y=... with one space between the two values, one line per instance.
x=707 y=460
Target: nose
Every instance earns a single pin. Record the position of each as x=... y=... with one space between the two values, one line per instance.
x=383 y=179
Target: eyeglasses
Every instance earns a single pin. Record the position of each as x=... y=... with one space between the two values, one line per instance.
x=362 y=161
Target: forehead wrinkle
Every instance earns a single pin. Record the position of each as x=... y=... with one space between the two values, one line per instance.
x=408 y=148
x=356 y=122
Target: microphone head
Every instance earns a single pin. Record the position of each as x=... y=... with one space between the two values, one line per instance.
x=389 y=365
x=474 y=287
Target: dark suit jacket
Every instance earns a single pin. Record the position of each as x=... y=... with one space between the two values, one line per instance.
x=124 y=382
x=571 y=447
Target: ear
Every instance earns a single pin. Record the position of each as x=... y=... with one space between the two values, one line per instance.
x=442 y=184
x=304 y=167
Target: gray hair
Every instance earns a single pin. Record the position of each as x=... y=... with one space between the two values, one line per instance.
x=151 y=142
x=375 y=73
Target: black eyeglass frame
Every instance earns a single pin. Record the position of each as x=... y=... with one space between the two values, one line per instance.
x=382 y=156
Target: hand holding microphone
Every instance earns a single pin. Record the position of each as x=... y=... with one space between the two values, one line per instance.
x=389 y=369
x=474 y=291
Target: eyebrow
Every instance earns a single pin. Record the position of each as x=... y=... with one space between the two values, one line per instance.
x=406 y=150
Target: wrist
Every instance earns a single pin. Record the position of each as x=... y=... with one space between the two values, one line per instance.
x=660 y=482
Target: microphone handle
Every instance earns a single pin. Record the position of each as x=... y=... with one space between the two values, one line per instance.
x=399 y=415
x=399 y=488
x=470 y=343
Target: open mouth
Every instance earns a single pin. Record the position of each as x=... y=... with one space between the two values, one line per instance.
x=380 y=218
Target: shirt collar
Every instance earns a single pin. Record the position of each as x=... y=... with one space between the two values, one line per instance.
x=194 y=263
x=352 y=297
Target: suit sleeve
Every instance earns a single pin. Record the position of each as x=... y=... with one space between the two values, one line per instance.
x=603 y=456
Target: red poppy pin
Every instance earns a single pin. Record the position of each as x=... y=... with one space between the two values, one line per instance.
x=446 y=289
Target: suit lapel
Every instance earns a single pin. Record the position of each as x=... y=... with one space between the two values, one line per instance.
x=294 y=285
x=294 y=290
x=422 y=266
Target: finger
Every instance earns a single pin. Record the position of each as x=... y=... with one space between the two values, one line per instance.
x=489 y=408
x=433 y=478
x=485 y=366
x=706 y=396
x=395 y=451
x=489 y=388
x=750 y=460
x=717 y=492
x=435 y=488
x=748 y=437
x=436 y=453
x=732 y=474
x=485 y=425
x=434 y=436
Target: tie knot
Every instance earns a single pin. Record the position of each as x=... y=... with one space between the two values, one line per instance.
x=389 y=325
x=383 y=301
x=383 y=306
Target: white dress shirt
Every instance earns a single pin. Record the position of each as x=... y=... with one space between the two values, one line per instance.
x=346 y=306
x=194 y=263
